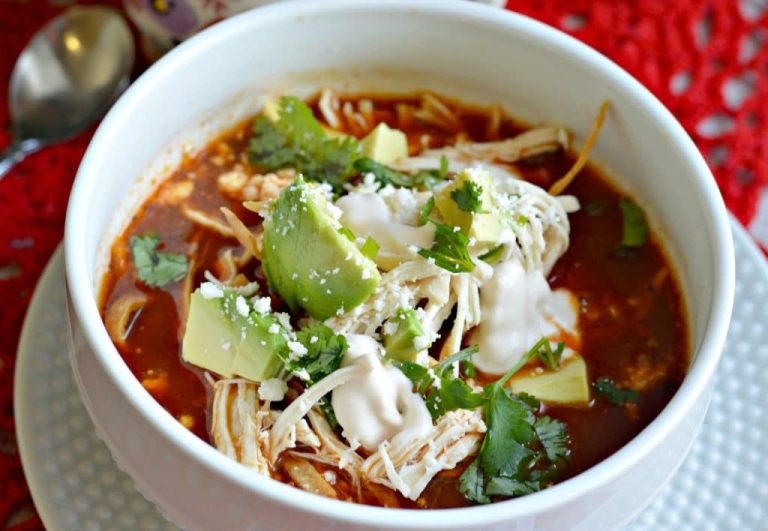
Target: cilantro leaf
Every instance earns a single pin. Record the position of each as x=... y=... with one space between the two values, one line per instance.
x=468 y=197
x=324 y=348
x=449 y=250
x=156 y=269
x=615 y=395
x=504 y=451
x=553 y=436
x=520 y=453
x=386 y=175
x=297 y=140
x=451 y=393
x=634 y=224
x=472 y=483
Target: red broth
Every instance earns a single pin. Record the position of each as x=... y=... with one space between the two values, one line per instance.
x=633 y=324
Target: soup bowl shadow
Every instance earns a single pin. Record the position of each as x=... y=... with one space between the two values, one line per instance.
x=472 y=52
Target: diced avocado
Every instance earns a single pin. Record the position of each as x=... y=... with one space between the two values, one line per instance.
x=484 y=226
x=257 y=357
x=567 y=385
x=220 y=339
x=406 y=336
x=307 y=261
x=384 y=144
x=210 y=341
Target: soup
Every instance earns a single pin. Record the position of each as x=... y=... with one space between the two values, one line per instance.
x=399 y=301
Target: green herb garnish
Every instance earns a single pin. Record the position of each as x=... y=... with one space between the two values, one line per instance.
x=325 y=350
x=468 y=197
x=450 y=249
x=520 y=453
x=494 y=255
x=451 y=392
x=426 y=211
x=386 y=175
x=297 y=140
x=156 y=269
x=615 y=395
x=635 y=226
x=370 y=248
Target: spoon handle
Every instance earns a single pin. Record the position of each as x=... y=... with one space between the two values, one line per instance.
x=16 y=152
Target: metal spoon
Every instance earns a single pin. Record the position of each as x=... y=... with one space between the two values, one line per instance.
x=66 y=78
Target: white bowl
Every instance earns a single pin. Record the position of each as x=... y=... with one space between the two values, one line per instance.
x=455 y=48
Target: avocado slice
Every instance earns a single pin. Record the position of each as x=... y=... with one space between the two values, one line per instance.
x=568 y=385
x=219 y=338
x=404 y=336
x=484 y=226
x=307 y=261
x=384 y=144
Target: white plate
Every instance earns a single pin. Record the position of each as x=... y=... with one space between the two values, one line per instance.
x=76 y=485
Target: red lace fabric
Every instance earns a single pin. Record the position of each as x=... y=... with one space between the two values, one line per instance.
x=703 y=59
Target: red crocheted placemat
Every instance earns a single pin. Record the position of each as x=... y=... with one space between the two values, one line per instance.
x=703 y=59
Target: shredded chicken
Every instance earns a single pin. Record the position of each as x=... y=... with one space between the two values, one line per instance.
x=496 y=156
x=409 y=465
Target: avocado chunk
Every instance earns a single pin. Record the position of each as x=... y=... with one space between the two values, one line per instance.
x=219 y=338
x=484 y=224
x=307 y=261
x=404 y=336
x=384 y=144
x=567 y=385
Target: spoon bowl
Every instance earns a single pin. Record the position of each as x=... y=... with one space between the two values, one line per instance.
x=66 y=78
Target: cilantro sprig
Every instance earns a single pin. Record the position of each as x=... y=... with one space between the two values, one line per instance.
x=634 y=224
x=297 y=140
x=155 y=268
x=386 y=175
x=441 y=389
x=325 y=350
x=450 y=249
x=615 y=395
x=469 y=197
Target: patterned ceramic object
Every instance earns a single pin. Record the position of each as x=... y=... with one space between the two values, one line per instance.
x=76 y=484
x=163 y=24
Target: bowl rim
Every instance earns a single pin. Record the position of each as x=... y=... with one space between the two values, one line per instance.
x=695 y=383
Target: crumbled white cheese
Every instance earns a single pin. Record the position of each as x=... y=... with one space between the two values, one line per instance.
x=209 y=290
x=272 y=390
x=262 y=305
x=390 y=328
x=297 y=350
x=420 y=342
x=330 y=476
x=242 y=306
x=274 y=328
x=313 y=340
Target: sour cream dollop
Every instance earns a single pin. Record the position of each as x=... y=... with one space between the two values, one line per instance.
x=518 y=308
x=379 y=405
